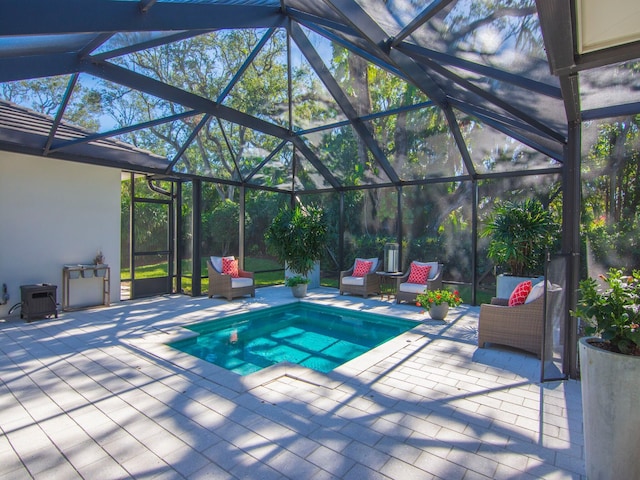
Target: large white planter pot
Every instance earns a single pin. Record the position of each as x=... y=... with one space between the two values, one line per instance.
x=505 y=284
x=313 y=276
x=610 y=412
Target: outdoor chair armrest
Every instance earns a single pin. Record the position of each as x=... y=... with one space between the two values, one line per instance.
x=500 y=301
x=346 y=273
x=245 y=274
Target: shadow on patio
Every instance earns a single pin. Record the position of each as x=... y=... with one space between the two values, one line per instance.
x=88 y=395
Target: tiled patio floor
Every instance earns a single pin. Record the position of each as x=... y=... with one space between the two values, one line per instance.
x=93 y=394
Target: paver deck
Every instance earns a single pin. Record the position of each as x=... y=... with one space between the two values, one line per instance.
x=96 y=394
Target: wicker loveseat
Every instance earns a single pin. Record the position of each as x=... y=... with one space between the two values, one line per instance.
x=408 y=292
x=224 y=285
x=520 y=326
x=367 y=285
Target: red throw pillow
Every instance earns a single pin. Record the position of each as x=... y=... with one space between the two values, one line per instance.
x=419 y=274
x=361 y=268
x=230 y=267
x=520 y=293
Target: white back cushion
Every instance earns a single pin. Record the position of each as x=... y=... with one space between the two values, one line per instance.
x=217 y=262
x=434 y=268
x=538 y=290
x=373 y=260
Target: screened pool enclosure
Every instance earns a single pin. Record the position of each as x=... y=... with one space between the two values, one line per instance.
x=405 y=120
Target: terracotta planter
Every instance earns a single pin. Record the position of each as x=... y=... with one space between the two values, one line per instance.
x=439 y=312
x=611 y=422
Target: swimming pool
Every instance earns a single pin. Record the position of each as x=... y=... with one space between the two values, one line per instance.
x=314 y=336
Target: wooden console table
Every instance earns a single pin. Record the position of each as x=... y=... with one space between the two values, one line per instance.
x=72 y=272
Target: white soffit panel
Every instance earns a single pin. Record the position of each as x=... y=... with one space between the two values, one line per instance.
x=606 y=23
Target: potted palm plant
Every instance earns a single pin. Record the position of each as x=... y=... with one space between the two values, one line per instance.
x=521 y=233
x=297 y=237
x=610 y=374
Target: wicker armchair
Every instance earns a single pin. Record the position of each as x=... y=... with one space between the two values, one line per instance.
x=225 y=286
x=519 y=326
x=365 y=286
x=408 y=292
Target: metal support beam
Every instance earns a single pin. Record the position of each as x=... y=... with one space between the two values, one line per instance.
x=241 y=227
x=571 y=243
x=399 y=224
x=334 y=88
x=243 y=68
x=44 y=17
x=353 y=14
x=123 y=130
x=556 y=22
x=156 y=88
x=356 y=49
x=196 y=234
x=521 y=81
x=490 y=97
x=341 y=233
x=316 y=162
x=611 y=111
x=507 y=126
x=60 y=113
x=571 y=94
x=427 y=14
x=177 y=243
x=459 y=139
x=194 y=133
x=155 y=42
x=264 y=161
x=37 y=66
x=474 y=242
x=132 y=235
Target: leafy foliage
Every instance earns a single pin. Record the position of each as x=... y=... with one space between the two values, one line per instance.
x=296 y=280
x=297 y=237
x=611 y=193
x=438 y=297
x=521 y=233
x=612 y=313
x=220 y=227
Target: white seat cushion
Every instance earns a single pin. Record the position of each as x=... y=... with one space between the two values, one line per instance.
x=353 y=281
x=412 y=287
x=434 y=268
x=241 y=282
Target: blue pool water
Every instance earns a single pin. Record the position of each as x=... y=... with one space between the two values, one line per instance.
x=314 y=336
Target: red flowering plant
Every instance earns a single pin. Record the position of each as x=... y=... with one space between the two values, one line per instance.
x=438 y=297
x=611 y=310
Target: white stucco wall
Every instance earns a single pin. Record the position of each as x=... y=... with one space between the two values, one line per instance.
x=53 y=213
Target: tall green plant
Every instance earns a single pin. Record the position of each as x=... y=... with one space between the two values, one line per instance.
x=520 y=234
x=298 y=237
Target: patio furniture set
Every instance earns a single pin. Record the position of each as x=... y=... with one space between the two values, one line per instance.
x=518 y=324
